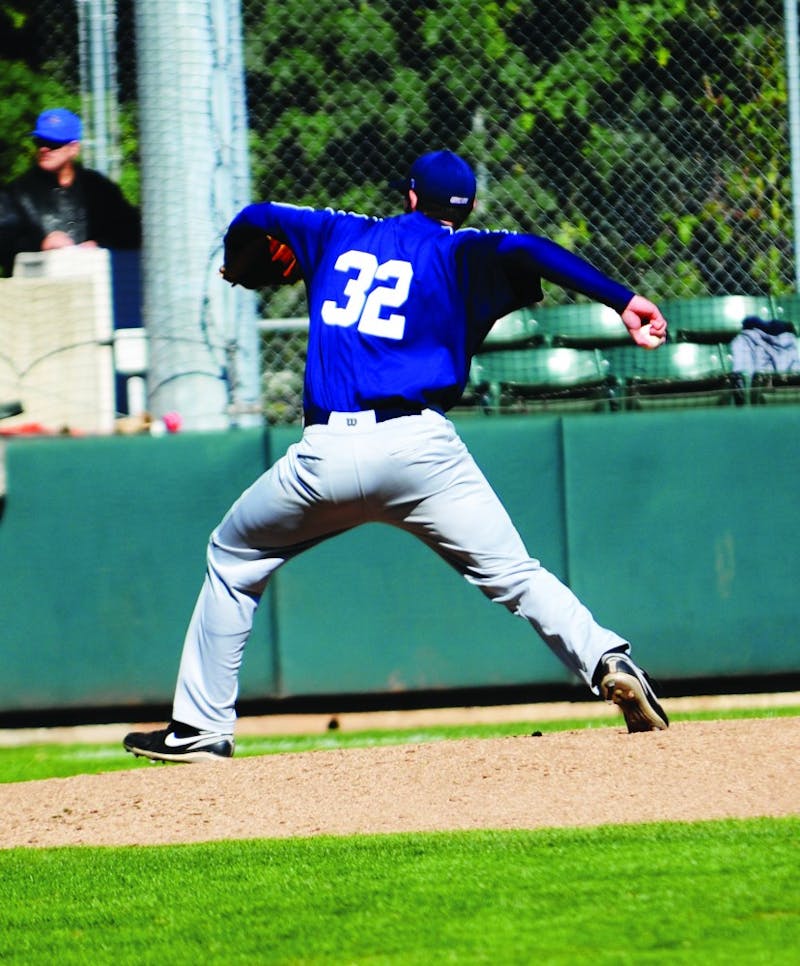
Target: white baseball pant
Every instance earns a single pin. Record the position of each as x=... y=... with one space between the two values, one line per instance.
x=411 y=472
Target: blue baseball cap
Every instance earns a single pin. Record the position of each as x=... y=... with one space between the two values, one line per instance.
x=440 y=178
x=58 y=124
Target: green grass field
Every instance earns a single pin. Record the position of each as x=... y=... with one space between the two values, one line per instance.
x=711 y=892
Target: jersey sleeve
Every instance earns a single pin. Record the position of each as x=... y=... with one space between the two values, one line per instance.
x=540 y=256
x=304 y=230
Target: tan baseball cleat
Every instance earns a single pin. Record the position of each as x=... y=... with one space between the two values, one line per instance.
x=627 y=686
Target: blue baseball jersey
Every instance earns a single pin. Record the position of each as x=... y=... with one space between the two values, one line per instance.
x=398 y=306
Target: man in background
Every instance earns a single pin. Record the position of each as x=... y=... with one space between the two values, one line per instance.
x=58 y=202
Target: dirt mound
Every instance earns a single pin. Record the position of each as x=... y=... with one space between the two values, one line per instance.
x=696 y=770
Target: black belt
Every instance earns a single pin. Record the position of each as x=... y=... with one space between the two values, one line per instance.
x=321 y=417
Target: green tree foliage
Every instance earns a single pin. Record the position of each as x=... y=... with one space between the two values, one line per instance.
x=32 y=77
x=649 y=136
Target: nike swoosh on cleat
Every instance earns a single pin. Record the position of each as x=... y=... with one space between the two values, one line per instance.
x=171 y=740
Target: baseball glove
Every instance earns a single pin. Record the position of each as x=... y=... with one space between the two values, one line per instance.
x=254 y=259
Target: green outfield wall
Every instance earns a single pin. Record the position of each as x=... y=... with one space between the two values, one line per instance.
x=677 y=528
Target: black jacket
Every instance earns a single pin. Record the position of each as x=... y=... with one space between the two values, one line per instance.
x=91 y=208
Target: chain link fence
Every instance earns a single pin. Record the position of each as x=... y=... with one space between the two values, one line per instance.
x=650 y=138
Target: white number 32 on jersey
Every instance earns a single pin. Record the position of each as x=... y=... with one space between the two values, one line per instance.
x=376 y=287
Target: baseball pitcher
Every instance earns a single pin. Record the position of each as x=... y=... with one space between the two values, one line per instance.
x=397 y=308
